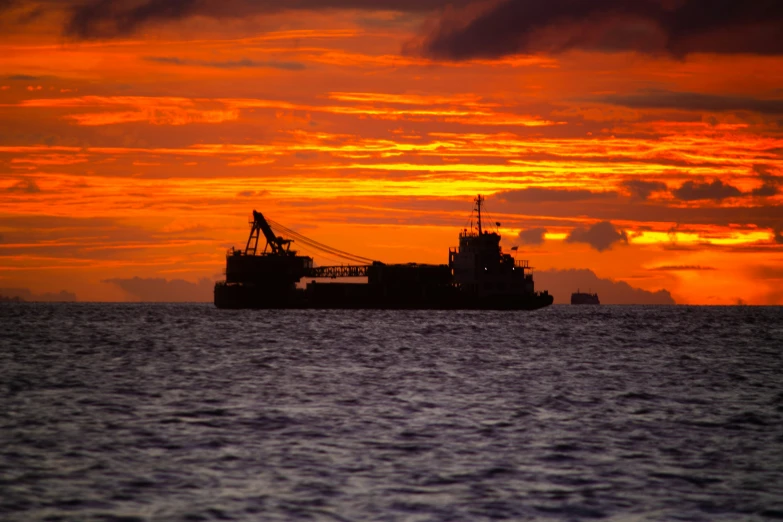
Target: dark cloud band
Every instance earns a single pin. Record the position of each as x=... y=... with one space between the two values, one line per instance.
x=693 y=101
x=650 y=26
x=112 y=18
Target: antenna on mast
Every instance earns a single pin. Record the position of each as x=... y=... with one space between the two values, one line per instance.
x=479 y=201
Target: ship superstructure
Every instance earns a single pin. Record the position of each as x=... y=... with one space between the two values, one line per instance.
x=478 y=276
x=480 y=268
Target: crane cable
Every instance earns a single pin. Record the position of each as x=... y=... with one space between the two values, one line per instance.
x=316 y=244
x=329 y=250
x=320 y=246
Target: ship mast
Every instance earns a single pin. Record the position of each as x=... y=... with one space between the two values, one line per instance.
x=479 y=201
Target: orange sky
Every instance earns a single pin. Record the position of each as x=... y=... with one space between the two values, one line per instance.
x=135 y=143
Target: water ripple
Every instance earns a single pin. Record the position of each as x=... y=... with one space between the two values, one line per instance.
x=185 y=412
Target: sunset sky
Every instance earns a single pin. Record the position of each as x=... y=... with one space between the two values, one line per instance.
x=640 y=140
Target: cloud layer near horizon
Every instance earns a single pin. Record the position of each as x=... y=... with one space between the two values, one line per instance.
x=25 y=294
x=160 y=290
x=562 y=283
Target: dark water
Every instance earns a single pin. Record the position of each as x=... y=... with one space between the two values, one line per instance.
x=185 y=412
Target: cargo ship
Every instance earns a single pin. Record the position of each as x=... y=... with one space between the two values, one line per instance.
x=581 y=298
x=478 y=276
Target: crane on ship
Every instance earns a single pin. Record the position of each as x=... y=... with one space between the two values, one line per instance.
x=278 y=245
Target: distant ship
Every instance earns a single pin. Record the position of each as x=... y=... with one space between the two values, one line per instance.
x=479 y=276
x=580 y=298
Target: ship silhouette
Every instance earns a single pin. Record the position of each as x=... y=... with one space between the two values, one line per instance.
x=581 y=298
x=478 y=276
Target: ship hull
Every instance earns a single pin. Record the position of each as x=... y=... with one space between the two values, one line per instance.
x=584 y=299
x=359 y=296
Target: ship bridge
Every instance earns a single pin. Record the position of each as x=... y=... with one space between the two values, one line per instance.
x=480 y=266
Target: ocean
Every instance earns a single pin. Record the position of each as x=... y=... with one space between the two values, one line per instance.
x=146 y=412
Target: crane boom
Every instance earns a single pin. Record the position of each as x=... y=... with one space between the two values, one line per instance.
x=278 y=245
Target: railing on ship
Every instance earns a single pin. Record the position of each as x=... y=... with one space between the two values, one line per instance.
x=338 y=271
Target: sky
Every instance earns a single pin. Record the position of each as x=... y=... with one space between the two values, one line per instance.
x=629 y=146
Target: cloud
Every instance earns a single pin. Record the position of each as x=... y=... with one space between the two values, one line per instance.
x=693 y=101
x=167 y=291
x=165 y=110
x=766 y=190
x=778 y=235
x=23 y=78
x=562 y=283
x=24 y=186
x=113 y=18
x=678 y=28
x=762 y=170
x=532 y=236
x=770 y=183
x=769 y=272
x=640 y=189
x=717 y=191
x=252 y=193
x=773 y=276
x=243 y=63
x=680 y=268
x=25 y=294
x=600 y=236
x=537 y=194
x=108 y=18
